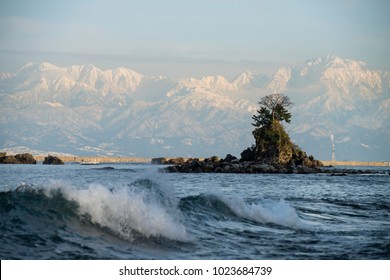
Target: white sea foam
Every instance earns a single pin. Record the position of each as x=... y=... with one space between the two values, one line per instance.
x=268 y=211
x=125 y=209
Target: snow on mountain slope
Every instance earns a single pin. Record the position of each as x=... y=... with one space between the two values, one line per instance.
x=341 y=97
x=45 y=77
x=82 y=109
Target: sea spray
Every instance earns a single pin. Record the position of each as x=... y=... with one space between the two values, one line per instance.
x=127 y=210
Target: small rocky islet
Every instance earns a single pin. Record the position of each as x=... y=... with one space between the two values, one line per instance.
x=25 y=158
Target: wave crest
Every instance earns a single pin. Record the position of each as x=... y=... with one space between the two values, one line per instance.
x=131 y=211
x=126 y=210
x=277 y=212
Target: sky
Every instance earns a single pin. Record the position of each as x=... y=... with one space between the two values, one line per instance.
x=192 y=37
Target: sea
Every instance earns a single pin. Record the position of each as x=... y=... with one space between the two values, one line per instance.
x=135 y=211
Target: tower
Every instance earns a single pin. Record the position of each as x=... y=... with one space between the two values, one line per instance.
x=333 y=148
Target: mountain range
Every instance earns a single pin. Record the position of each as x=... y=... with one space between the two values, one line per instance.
x=83 y=110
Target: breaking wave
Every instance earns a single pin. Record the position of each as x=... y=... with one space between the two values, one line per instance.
x=277 y=212
x=131 y=211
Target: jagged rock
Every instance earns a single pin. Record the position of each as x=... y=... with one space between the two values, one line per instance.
x=53 y=160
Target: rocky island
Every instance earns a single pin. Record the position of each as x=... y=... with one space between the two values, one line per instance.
x=273 y=151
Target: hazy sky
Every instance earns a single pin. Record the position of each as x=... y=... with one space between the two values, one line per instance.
x=198 y=37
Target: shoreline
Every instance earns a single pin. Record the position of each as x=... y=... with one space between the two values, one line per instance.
x=102 y=159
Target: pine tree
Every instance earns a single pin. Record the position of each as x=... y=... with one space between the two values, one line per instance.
x=272 y=107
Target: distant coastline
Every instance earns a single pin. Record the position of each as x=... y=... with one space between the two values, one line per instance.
x=104 y=159
x=78 y=159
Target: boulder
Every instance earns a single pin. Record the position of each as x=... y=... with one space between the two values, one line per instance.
x=215 y=159
x=8 y=160
x=53 y=160
x=219 y=170
x=208 y=167
x=25 y=159
x=195 y=163
x=248 y=154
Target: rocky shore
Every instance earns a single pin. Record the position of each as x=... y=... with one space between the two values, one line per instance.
x=231 y=164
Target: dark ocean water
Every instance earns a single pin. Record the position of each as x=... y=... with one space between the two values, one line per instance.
x=129 y=211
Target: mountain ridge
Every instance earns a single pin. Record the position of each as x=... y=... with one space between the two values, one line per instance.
x=83 y=109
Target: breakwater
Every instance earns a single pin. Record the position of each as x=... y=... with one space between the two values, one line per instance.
x=355 y=163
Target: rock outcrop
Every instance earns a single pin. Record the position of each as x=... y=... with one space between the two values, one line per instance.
x=234 y=165
x=17 y=159
x=53 y=160
x=229 y=165
x=273 y=153
x=273 y=146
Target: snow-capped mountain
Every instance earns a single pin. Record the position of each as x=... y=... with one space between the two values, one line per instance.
x=85 y=110
x=341 y=97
